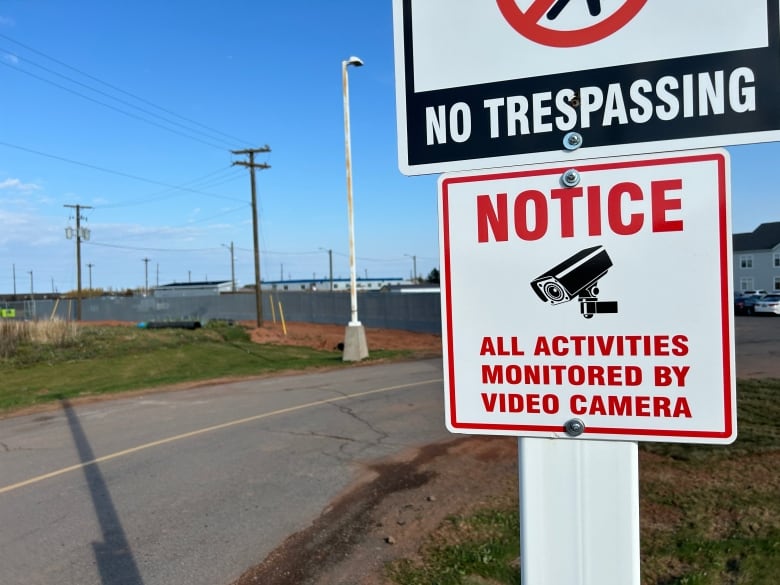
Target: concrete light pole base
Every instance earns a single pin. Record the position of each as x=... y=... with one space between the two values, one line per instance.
x=355 y=346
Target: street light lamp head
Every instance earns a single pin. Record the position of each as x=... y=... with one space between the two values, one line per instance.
x=356 y=61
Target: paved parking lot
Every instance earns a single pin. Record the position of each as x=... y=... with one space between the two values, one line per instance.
x=757 y=341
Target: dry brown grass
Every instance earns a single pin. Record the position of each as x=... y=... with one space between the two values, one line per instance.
x=55 y=333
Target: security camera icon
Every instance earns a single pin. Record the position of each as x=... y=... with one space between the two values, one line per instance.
x=577 y=276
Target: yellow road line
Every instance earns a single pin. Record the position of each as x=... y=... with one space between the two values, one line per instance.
x=233 y=423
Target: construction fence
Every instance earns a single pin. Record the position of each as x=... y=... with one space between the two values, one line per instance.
x=419 y=312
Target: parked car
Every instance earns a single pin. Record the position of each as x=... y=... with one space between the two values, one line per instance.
x=768 y=304
x=753 y=293
x=745 y=304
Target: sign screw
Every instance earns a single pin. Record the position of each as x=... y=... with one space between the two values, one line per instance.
x=574 y=428
x=570 y=178
x=572 y=141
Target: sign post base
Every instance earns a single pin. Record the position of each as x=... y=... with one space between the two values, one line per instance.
x=579 y=512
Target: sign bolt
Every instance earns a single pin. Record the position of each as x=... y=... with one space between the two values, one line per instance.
x=574 y=428
x=570 y=178
x=572 y=141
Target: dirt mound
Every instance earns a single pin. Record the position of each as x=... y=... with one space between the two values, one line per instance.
x=325 y=336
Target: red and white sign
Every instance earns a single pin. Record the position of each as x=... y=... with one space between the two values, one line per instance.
x=597 y=292
x=495 y=83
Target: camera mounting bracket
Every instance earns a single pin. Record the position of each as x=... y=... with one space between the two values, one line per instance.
x=591 y=305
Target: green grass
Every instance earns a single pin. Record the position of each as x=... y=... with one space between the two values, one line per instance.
x=710 y=515
x=487 y=551
x=721 y=505
x=104 y=360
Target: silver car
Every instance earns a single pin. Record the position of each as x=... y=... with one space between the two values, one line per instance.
x=768 y=304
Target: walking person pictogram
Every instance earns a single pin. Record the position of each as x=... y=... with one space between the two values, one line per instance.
x=594 y=7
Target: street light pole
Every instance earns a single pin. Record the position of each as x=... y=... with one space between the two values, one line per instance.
x=232 y=267
x=146 y=276
x=414 y=267
x=330 y=269
x=330 y=265
x=355 y=346
x=32 y=296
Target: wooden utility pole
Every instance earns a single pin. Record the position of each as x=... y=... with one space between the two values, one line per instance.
x=251 y=165
x=79 y=235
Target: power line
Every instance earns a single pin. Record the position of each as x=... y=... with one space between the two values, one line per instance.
x=110 y=107
x=145 y=249
x=120 y=90
x=168 y=193
x=106 y=94
x=117 y=173
x=212 y=217
x=188 y=224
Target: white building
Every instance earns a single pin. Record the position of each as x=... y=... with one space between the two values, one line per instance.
x=193 y=289
x=757 y=258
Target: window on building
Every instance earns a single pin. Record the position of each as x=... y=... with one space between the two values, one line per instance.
x=746 y=284
x=746 y=261
x=776 y=260
x=777 y=283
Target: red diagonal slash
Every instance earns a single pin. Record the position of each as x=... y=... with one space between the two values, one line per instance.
x=527 y=22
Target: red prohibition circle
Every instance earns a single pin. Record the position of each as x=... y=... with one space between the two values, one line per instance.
x=527 y=23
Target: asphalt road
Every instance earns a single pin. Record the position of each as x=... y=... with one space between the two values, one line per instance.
x=757 y=346
x=193 y=487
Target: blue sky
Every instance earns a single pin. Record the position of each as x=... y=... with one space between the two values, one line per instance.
x=132 y=108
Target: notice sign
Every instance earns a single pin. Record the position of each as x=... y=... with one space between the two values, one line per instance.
x=493 y=83
x=591 y=299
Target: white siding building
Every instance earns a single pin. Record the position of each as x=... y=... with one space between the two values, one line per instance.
x=757 y=259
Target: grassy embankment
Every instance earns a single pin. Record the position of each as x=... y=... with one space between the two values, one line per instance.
x=710 y=515
x=53 y=360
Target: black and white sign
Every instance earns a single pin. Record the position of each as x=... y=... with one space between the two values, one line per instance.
x=490 y=83
x=596 y=293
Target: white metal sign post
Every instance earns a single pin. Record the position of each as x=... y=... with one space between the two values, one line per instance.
x=579 y=512
x=578 y=329
x=492 y=83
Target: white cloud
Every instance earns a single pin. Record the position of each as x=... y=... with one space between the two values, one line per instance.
x=29 y=228
x=10 y=58
x=17 y=185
